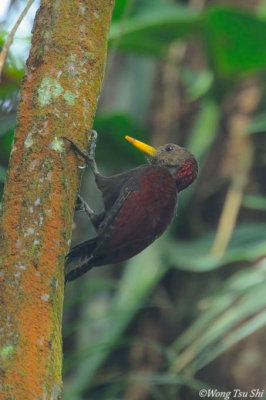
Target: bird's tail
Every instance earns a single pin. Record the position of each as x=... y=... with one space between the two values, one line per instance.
x=79 y=260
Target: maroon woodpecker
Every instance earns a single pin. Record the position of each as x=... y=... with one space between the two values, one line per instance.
x=139 y=205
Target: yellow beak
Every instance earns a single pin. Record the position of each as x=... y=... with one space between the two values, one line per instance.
x=145 y=148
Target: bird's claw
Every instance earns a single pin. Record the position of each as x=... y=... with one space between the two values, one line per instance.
x=90 y=161
x=90 y=157
x=76 y=148
x=80 y=206
x=92 y=144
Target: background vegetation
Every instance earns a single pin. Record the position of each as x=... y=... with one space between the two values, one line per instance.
x=189 y=312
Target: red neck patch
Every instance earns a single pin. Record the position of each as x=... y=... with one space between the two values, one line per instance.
x=186 y=174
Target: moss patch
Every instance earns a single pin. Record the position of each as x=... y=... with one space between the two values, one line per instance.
x=70 y=97
x=49 y=90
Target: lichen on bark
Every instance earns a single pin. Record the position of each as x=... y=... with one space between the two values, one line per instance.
x=58 y=98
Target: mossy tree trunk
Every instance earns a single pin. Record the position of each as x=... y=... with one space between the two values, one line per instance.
x=58 y=98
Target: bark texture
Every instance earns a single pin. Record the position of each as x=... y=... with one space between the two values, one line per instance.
x=58 y=98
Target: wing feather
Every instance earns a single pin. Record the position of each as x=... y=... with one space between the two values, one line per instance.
x=112 y=186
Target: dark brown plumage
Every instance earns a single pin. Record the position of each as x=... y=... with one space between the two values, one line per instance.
x=139 y=205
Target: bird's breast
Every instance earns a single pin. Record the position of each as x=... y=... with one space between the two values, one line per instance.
x=157 y=195
x=145 y=212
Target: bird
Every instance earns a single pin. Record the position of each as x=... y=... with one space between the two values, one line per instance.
x=139 y=204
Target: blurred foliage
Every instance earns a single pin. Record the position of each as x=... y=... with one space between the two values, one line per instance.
x=176 y=318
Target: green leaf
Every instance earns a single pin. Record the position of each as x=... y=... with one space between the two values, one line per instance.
x=113 y=128
x=2 y=174
x=254 y=202
x=258 y=124
x=204 y=131
x=199 y=142
x=223 y=323
x=236 y=41
x=197 y=83
x=247 y=243
x=141 y=275
x=7 y=123
x=261 y=9
x=120 y=9
x=152 y=33
x=252 y=325
x=218 y=303
x=3 y=36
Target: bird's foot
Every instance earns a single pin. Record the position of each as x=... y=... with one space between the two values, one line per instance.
x=90 y=157
x=92 y=144
x=79 y=206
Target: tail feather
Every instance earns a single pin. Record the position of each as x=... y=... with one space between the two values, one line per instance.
x=79 y=260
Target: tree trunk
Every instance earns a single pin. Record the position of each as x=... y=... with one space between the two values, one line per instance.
x=58 y=98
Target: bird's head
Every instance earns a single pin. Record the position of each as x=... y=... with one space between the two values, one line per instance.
x=178 y=161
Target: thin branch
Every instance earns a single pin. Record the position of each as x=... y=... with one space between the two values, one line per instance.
x=5 y=49
x=242 y=155
x=233 y=201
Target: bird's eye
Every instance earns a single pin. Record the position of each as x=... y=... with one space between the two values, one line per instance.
x=168 y=147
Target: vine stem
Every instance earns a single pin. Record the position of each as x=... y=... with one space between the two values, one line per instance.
x=10 y=37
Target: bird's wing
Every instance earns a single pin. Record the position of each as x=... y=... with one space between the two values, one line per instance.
x=112 y=186
x=104 y=251
x=141 y=212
